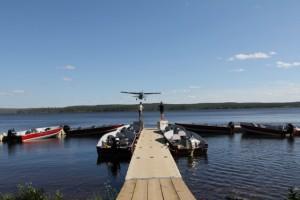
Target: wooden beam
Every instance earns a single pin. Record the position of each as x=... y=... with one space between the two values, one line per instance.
x=182 y=190
x=141 y=190
x=127 y=190
x=168 y=190
x=154 y=190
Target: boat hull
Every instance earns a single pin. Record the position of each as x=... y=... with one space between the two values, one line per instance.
x=32 y=136
x=250 y=129
x=200 y=128
x=113 y=154
x=296 y=132
x=118 y=151
x=41 y=135
x=184 y=143
x=187 y=152
x=91 y=131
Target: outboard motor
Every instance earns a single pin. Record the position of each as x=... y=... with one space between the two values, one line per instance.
x=168 y=128
x=111 y=141
x=290 y=129
x=12 y=136
x=11 y=133
x=66 y=128
x=231 y=126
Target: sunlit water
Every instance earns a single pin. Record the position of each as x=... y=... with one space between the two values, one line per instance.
x=250 y=168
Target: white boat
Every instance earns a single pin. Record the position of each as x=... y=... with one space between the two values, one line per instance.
x=183 y=142
x=118 y=143
x=1 y=136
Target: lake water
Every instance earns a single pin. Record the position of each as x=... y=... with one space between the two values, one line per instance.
x=249 y=168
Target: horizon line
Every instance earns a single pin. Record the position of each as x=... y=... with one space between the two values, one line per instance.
x=131 y=104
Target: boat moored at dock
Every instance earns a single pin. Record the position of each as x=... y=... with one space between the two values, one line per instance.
x=268 y=130
x=1 y=136
x=90 y=131
x=31 y=134
x=183 y=142
x=209 y=129
x=296 y=131
x=118 y=144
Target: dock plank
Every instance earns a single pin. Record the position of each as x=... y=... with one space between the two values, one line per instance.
x=152 y=173
x=127 y=190
x=182 y=189
x=153 y=156
x=154 y=190
x=168 y=190
x=141 y=190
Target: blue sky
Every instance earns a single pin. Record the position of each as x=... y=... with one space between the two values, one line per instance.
x=60 y=53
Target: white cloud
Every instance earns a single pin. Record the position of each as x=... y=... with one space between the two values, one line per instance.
x=238 y=70
x=12 y=93
x=195 y=87
x=4 y=94
x=67 y=79
x=178 y=91
x=287 y=65
x=69 y=67
x=18 y=91
x=252 y=56
x=274 y=91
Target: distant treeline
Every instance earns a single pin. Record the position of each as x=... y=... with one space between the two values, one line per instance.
x=147 y=107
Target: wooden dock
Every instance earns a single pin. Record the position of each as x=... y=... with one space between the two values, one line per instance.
x=153 y=173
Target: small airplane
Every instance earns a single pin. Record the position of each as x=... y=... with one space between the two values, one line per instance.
x=140 y=95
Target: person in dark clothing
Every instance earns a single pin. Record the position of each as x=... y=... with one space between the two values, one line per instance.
x=161 y=110
x=141 y=107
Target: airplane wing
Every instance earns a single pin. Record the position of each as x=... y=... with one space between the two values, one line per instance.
x=130 y=92
x=152 y=93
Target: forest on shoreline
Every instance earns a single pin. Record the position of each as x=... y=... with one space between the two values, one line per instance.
x=147 y=107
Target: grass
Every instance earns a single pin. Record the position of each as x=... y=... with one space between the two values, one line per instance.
x=29 y=192
x=293 y=194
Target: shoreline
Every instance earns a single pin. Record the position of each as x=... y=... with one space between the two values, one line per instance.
x=147 y=107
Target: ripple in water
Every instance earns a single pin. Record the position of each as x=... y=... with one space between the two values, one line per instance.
x=234 y=166
x=245 y=168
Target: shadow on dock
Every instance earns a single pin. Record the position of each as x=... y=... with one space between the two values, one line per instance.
x=161 y=140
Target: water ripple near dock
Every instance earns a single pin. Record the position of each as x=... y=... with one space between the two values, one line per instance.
x=249 y=169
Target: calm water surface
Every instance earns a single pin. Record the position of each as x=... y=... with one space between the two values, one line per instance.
x=250 y=168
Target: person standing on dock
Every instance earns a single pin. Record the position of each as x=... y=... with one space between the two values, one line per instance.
x=161 y=110
x=141 y=107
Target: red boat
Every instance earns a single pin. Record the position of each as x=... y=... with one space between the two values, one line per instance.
x=32 y=134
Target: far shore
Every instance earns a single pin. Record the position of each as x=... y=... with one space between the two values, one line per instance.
x=148 y=107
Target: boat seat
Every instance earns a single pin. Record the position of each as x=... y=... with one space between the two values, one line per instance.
x=181 y=133
x=176 y=137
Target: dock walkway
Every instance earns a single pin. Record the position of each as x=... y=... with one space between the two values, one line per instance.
x=152 y=172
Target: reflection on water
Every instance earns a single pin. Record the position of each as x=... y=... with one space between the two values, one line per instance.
x=13 y=148
x=113 y=166
x=192 y=161
x=237 y=165
x=250 y=168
